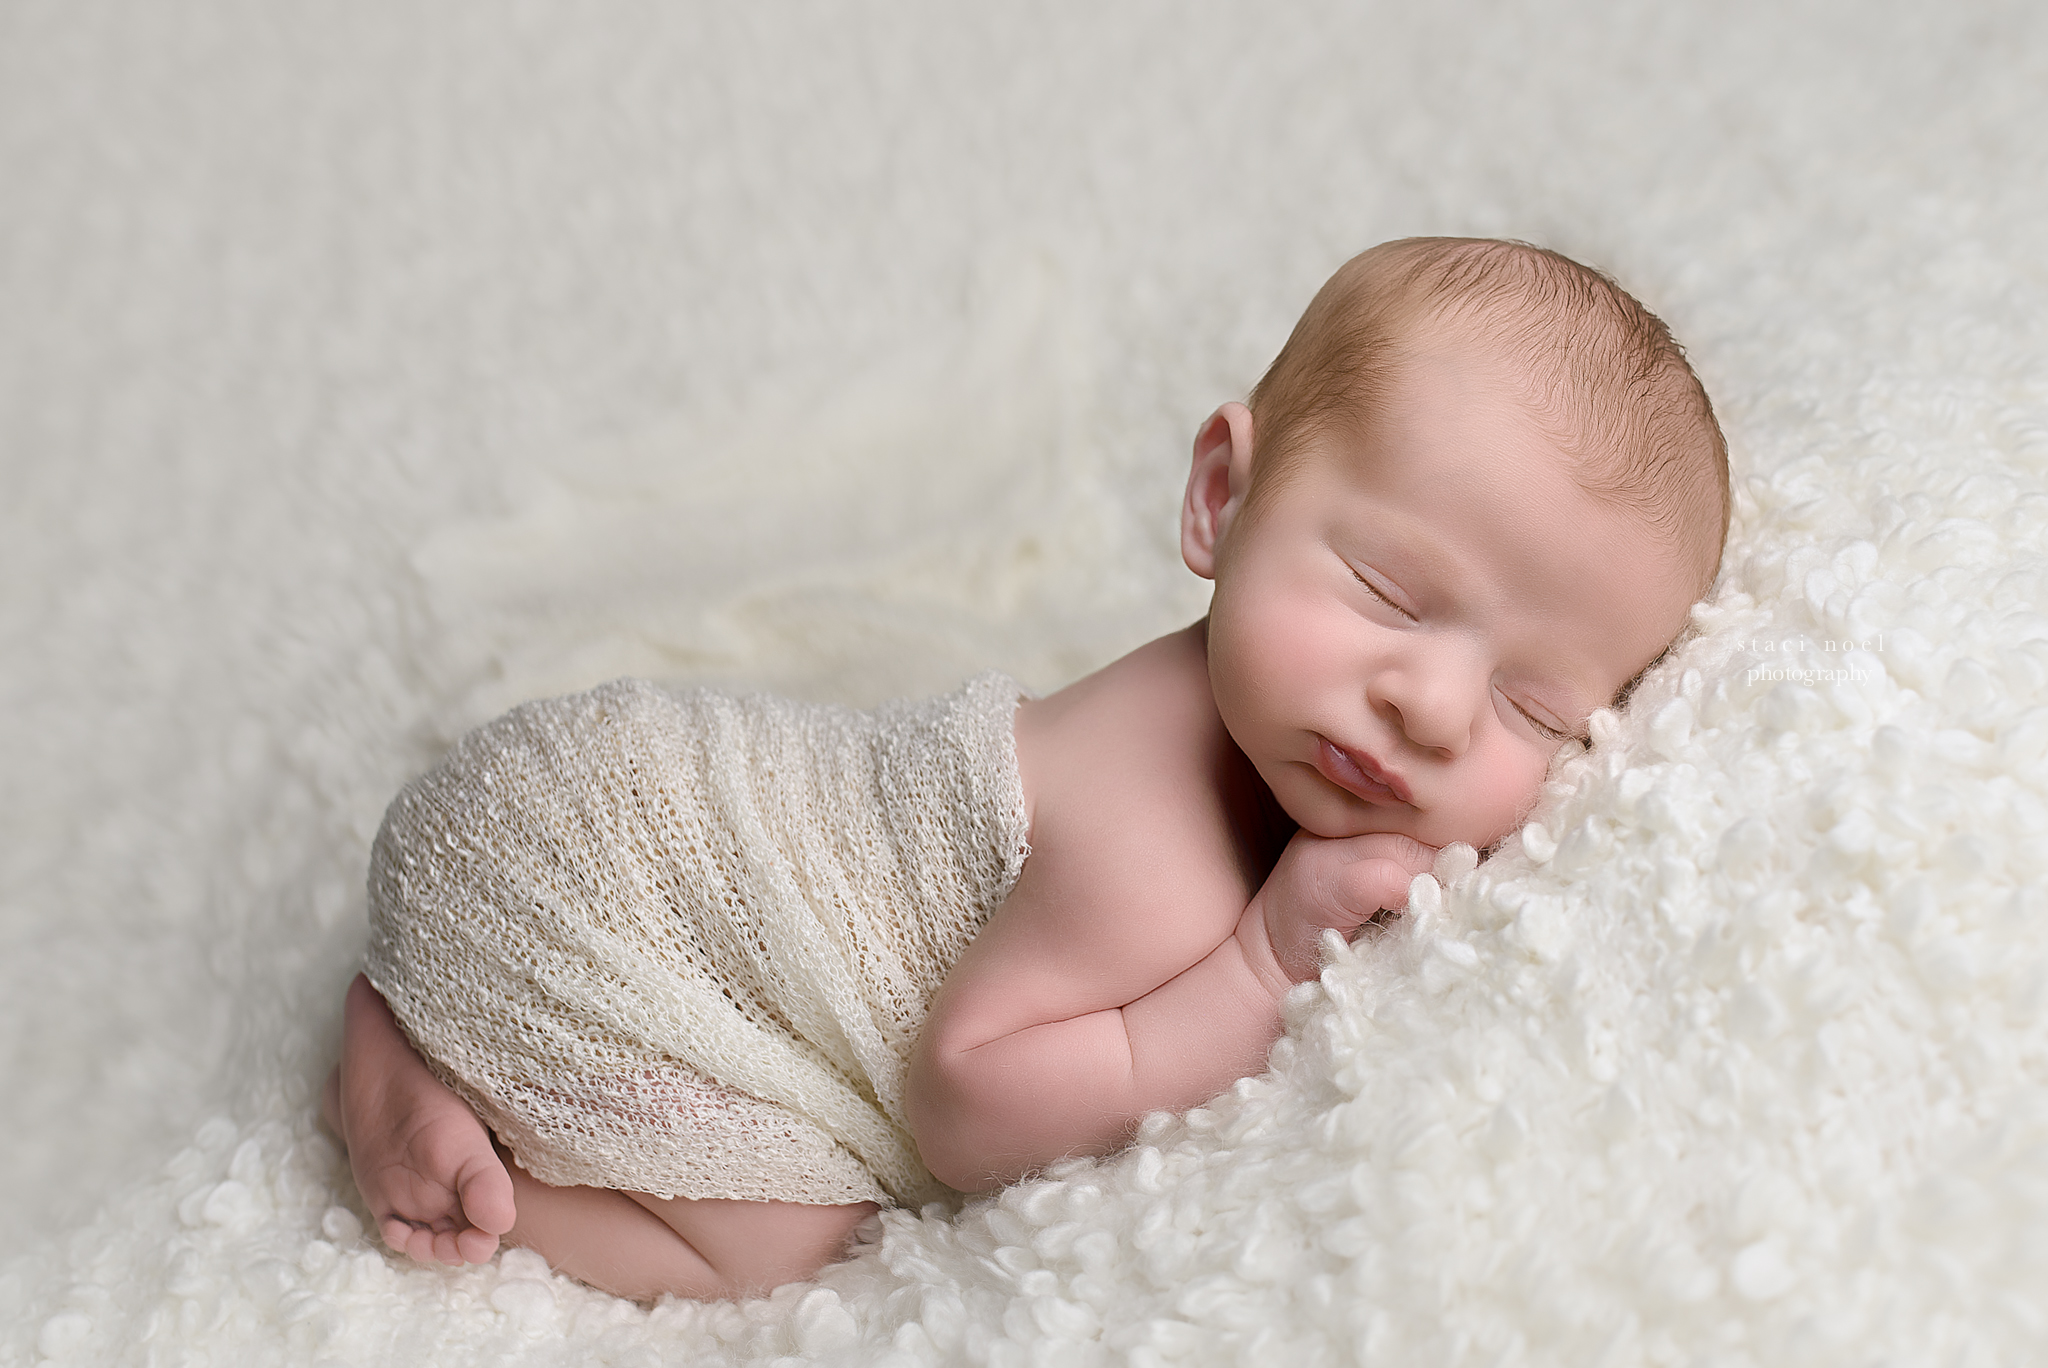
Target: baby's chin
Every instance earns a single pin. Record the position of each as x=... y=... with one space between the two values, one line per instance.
x=1333 y=816
x=1374 y=822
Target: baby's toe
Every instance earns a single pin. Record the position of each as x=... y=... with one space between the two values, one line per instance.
x=447 y=1248
x=476 y=1246
x=407 y=1238
x=487 y=1201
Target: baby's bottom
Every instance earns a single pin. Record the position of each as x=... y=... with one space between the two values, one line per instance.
x=437 y=1185
x=637 y=1246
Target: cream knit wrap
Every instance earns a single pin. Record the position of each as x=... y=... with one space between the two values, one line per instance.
x=682 y=943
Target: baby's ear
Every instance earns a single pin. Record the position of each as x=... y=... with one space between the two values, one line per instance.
x=1220 y=479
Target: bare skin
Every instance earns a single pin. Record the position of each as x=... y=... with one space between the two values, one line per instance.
x=421 y=1159
x=1399 y=642
x=442 y=1192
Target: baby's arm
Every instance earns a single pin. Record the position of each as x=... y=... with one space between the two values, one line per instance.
x=1099 y=994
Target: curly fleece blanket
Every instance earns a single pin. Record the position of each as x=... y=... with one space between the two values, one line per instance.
x=369 y=368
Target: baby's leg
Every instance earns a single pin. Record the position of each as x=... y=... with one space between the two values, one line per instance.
x=636 y=1246
x=440 y=1190
x=424 y=1163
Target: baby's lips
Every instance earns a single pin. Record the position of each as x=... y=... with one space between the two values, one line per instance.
x=1359 y=774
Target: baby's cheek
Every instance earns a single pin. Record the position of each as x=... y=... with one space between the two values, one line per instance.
x=1508 y=798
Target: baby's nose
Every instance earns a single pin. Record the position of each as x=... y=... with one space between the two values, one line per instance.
x=1433 y=727
x=1434 y=707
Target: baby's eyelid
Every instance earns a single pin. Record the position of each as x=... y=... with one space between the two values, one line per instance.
x=1547 y=731
x=1380 y=593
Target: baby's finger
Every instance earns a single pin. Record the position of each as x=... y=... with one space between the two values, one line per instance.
x=1372 y=886
x=1405 y=851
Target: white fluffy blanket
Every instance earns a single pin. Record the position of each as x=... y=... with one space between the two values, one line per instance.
x=370 y=367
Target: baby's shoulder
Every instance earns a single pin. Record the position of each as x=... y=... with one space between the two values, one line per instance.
x=1131 y=769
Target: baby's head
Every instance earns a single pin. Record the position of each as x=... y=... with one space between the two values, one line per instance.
x=1470 y=503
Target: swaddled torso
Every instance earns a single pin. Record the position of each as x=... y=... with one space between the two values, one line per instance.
x=682 y=943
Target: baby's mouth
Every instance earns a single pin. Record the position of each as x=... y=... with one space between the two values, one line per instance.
x=1358 y=773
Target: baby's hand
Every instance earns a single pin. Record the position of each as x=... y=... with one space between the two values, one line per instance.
x=1330 y=884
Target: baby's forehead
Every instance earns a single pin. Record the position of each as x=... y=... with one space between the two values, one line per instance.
x=1434 y=391
x=1588 y=424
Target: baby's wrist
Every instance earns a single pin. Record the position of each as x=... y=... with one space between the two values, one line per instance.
x=1255 y=945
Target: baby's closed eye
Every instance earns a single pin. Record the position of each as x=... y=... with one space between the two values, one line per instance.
x=1546 y=730
x=1385 y=596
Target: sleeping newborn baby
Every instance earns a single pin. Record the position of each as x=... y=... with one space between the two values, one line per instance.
x=676 y=988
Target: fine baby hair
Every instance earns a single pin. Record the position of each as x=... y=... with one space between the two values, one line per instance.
x=1601 y=372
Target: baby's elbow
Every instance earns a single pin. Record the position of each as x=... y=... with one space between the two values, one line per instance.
x=974 y=1160
x=961 y=1173
x=960 y=1159
x=943 y=1123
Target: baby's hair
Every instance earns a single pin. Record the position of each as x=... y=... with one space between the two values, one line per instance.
x=1604 y=376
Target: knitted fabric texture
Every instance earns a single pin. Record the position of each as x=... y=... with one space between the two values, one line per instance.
x=682 y=943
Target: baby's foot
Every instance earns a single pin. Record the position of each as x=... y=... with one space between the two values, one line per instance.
x=422 y=1160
